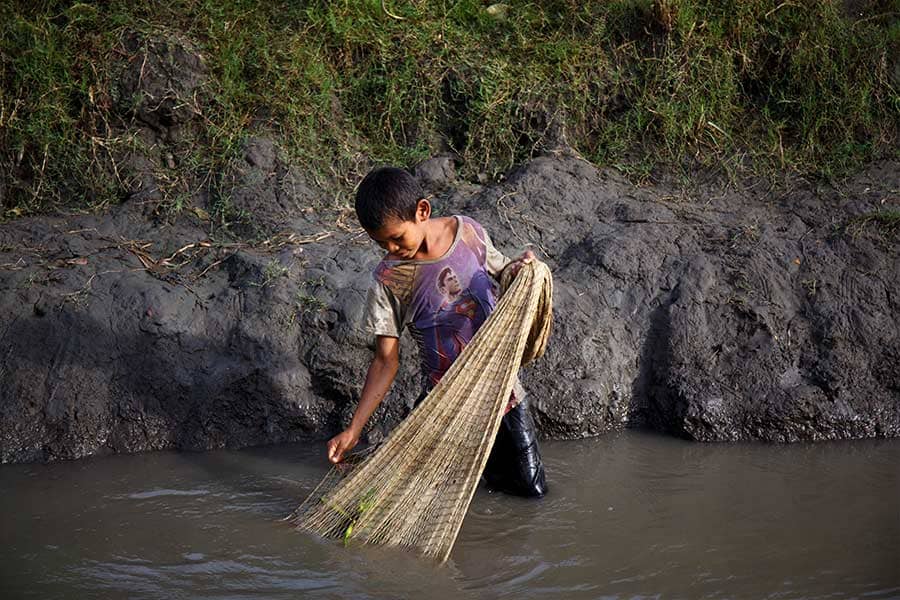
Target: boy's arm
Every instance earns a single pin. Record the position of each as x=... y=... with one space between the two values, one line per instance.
x=496 y=262
x=378 y=381
x=516 y=265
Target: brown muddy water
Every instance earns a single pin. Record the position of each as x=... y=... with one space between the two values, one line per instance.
x=630 y=515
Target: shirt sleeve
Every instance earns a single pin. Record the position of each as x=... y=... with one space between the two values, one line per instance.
x=383 y=314
x=494 y=260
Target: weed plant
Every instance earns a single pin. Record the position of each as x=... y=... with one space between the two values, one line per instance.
x=342 y=84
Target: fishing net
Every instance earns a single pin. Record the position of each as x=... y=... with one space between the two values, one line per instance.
x=415 y=488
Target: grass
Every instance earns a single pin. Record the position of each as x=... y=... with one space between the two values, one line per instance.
x=344 y=84
x=305 y=300
x=885 y=221
x=271 y=273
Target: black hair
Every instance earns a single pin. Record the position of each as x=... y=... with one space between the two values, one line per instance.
x=385 y=193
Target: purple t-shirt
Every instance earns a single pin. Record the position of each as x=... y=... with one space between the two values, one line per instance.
x=442 y=301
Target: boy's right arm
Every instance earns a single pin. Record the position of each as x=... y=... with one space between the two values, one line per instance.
x=378 y=381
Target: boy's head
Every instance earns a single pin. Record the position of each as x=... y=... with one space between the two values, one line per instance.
x=387 y=193
x=392 y=209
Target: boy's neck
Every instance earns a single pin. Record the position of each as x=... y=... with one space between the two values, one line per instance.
x=439 y=235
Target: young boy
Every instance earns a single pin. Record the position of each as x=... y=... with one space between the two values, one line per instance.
x=438 y=279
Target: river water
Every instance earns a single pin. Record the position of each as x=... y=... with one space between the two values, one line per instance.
x=629 y=515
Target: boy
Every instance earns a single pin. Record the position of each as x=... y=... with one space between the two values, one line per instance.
x=439 y=280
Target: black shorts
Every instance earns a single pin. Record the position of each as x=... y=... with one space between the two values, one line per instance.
x=514 y=465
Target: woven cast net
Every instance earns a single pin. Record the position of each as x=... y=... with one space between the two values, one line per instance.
x=415 y=488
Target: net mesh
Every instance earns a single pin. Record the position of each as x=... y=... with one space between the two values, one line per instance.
x=415 y=488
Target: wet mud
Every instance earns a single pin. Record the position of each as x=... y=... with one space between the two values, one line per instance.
x=714 y=312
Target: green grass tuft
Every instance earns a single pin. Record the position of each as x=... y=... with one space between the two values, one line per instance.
x=885 y=221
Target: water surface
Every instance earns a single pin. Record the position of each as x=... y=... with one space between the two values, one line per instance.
x=630 y=515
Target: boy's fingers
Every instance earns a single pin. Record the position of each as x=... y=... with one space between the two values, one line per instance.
x=333 y=453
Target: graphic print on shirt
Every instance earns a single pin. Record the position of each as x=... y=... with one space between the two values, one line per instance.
x=448 y=298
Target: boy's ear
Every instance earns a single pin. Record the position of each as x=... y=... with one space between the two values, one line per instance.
x=423 y=209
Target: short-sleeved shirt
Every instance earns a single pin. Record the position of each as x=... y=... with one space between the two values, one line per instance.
x=442 y=301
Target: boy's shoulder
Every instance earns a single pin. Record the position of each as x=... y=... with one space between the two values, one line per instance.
x=398 y=277
x=468 y=221
x=471 y=229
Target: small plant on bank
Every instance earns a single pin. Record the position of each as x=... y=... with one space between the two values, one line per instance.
x=886 y=221
x=305 y=301
x=271 y=273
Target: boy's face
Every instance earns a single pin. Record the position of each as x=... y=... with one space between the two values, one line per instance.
x=402 y=239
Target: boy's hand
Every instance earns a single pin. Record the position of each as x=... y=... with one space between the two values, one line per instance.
x=341 y=444
x=516 y=265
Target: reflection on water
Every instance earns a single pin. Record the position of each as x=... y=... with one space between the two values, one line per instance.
x=629 y=515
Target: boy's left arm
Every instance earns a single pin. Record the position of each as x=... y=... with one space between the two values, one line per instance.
x=516 y=265
x=496 y=262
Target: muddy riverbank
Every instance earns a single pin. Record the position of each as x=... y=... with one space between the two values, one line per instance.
x=716 y=311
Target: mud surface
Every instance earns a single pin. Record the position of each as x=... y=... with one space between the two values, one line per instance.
x=722 y=312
